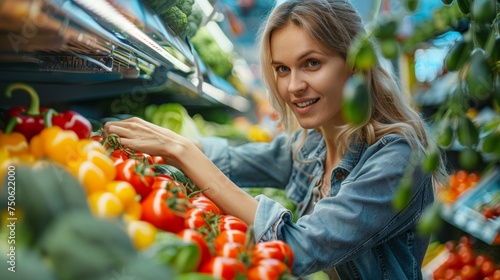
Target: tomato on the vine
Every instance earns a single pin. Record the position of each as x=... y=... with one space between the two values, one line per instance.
x=205 y=203
x=194 y=236
x=469 y=272
x=226 y=236
x=231 y=250
x=118 y=156
x=164 y=210
x=164 y=181
x=274 y=249
x=199 y=219
x=267 y=269
x=228 y=222
x=224 y=268
x=139 y=175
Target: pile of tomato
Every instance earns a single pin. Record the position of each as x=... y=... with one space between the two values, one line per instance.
x=465 y=264
x=460 y=181
x=154 y=206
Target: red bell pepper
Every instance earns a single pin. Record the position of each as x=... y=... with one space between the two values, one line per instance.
x=31 y=120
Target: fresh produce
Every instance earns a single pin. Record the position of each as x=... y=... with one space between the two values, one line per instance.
x=31 y=120
x=464 y=263
x=210 y=52
x=356 y=101
x=174 y=117
x=164 y=208
x=117 y=218
x=177 y=14
x=460 y=181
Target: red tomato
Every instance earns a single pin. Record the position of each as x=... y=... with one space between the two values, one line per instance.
x=496 y=274
x=227 y=222
x=140 y=176
x=487 y=268
x=175 y=187
x=163 y=210
x=466 y=255
x=192 y=235
x=453 y=261
x=205 y=203
x=469 y=272
x=224 y=268
x=226 y=236
x=451 y=273
x=199 y=219
x=158 y=160
x=97 y=138
x=267 y=269
x=231 y=250
x=274 y=249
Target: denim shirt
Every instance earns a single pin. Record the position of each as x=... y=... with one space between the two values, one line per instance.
x=355 y=229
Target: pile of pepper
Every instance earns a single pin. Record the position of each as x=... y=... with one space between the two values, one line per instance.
x=31 y=120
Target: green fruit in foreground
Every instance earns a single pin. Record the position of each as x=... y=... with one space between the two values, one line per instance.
x=386 y=28
x=431 y=161
x=445 y=135
x=356 y=101
x=457 y=55
x=479 y=78
x=389 y=48
x=361 y=54
x=430 y=222
x=468 y=134
x=468 y=158
x=490 y=142
x=411 y=5
x=484 y=10
x=402 y=195
x=464 y=6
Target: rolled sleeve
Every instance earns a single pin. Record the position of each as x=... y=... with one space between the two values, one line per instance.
x=255 y=164
x=270 y=216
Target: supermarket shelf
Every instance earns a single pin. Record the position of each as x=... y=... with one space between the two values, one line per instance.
x=81 y=50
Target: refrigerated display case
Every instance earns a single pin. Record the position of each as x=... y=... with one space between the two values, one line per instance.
x=75 y=51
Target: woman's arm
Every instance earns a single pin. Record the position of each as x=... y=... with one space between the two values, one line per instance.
x=180 y=152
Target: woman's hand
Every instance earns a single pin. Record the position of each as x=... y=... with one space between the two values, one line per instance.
x=142 y=136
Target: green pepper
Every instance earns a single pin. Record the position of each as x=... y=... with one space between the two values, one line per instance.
x=170 y=250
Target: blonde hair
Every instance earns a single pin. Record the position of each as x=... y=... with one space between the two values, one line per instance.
x=334 y=24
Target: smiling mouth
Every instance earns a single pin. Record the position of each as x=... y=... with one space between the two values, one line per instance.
x=306 y=103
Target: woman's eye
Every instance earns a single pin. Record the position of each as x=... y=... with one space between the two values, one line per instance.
x=313 y=63
x=280 y=69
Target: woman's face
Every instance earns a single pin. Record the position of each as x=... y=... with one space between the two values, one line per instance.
x=309 y=79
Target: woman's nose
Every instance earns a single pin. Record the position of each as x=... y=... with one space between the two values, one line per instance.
x=297 y=84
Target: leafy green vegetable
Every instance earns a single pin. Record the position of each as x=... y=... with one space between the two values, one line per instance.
x=175 y=19
x=174 y=117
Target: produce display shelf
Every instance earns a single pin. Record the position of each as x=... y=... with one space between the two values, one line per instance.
x=93 y=49
x=465 y=213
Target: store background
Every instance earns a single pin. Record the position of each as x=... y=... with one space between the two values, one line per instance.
x=421 y=73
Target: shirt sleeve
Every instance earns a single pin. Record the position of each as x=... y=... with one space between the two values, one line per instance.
x=253 y=164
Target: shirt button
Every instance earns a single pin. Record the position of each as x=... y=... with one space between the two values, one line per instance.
x=339 y=175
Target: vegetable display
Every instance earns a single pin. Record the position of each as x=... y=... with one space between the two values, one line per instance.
x=99 y=209
x=31 y=120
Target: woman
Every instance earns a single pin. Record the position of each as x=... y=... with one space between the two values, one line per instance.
x=342 y=177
